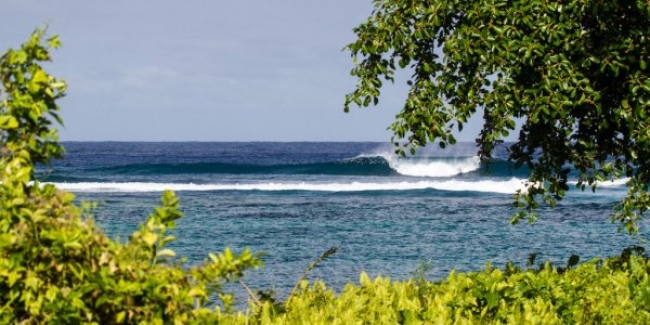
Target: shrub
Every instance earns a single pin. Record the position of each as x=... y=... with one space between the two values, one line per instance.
x=614 y=291
x=56 y=266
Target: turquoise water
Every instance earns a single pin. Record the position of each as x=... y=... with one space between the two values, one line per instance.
x=295 y=200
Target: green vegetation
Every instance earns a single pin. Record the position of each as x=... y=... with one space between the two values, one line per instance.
x=596 y=292
x=574 y=73
x=57 y=267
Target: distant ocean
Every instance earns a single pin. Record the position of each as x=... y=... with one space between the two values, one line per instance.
x=293 y=201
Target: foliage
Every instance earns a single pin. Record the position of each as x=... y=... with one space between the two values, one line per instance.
x=574 y=73
x=56 y=266
x=614 y=291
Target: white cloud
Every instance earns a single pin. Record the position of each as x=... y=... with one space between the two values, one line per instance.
x=150 y=77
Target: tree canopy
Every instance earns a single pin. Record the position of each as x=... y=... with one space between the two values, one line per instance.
x=573 y=72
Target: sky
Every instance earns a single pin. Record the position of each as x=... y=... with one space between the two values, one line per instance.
x=200 y=70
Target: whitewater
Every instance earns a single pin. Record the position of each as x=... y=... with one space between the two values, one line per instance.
x=387 y=214
x=450 y=185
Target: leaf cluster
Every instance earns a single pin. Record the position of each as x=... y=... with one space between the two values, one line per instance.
x=56 y=266
x=573 y=73
x=613 y=291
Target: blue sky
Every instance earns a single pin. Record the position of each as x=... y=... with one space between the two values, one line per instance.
x=206 y=70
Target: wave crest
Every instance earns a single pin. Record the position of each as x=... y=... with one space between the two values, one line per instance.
x=433 y=167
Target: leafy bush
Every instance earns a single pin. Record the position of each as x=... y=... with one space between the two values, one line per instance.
x=56 y=266
x=614 y=291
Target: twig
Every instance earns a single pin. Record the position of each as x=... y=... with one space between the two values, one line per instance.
x=313 y=264
x=250 y=293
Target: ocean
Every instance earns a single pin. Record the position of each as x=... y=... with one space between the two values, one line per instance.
x=387 y=215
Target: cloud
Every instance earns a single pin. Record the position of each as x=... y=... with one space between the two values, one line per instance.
x=150 y=77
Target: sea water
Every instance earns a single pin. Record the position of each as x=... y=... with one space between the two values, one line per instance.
x=292 y=201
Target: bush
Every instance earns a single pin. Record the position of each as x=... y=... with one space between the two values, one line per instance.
x=56 y=266
x=614 y=291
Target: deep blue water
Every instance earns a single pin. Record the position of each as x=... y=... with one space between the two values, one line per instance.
x=295 y=200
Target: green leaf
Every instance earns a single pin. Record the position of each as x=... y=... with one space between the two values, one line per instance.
x=625 y=104
x=18 y=57
x=120 y=317
x=150 y=238
x=166 y=253
x=8 y=122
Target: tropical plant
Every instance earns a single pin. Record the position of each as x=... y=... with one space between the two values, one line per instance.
x=573 y=73
x=56 y=266
x=612 y=291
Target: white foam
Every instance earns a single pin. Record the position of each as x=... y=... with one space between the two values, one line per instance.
x=432 y=168
x=611 y=183
x=614 y=183
x=507 y=186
